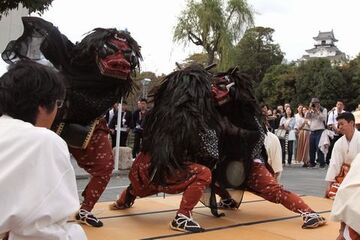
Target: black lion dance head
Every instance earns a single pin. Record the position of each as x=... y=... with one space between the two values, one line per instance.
x=115 y=52
x=236 y=102
x=97 y=70
x=183 y=115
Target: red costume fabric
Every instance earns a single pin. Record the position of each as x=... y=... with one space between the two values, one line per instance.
x=353 y=235
x=192 y=181
x=264 y=184
x=97 y=159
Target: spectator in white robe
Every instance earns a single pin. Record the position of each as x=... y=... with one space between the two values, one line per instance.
x=273 y=150
x=346 y=207
x=37 y=180
x=345 y=149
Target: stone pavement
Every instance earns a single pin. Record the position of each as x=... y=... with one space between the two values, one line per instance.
x=304 y=181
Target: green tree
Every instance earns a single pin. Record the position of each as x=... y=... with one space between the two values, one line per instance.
x=214 y=25
x=200 y=58
x=278 y=85
x=316 y=77
x=32 y=5
x=256 y=52
x=136 y=93
x=351 y=74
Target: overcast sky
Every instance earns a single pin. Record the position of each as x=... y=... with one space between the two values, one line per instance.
x=152 y=23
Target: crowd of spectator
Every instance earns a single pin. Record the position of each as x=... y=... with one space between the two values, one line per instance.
x=130 y=122
x=310 y=133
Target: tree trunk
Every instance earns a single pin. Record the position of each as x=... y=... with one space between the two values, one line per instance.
x=211 y=56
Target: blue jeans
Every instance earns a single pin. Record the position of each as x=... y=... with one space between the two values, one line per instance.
x=314 y=148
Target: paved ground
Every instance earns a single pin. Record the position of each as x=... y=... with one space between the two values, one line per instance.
x=306 y=181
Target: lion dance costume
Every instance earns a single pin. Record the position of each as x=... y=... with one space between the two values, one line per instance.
x=180 y=136
x=234 y=93
x=97 y=73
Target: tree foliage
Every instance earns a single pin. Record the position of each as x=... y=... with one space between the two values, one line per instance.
x=214 y=25
x=278 y=85
x=317 y=78
x=200 y=58
x=256 y=52
x=351 y=74
x=313 y=78
x=136 y=93
x=33 y=5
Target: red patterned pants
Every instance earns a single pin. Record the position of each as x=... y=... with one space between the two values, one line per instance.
x=97 y=159
x=192 y=182
x=264 y=184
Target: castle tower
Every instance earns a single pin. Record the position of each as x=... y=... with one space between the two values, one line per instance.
x=324 y=47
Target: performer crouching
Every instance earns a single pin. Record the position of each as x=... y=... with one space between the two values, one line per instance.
x=179 y=132
x=236 y=101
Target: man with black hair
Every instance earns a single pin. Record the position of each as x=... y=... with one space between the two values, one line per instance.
x=97 y=72
x=345 y=149
x=125 y=124
x=138 y=120
x=34 y=160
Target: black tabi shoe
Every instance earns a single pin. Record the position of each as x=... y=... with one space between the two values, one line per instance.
x=185 y=224
x=312 y=220
x=85 y=217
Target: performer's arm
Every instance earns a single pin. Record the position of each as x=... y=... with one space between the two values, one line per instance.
x=230 y=129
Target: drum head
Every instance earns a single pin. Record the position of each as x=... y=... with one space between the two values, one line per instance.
x=235 y=174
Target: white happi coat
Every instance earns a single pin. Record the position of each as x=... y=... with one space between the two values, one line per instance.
x=343 y=152
x=37 y=182
x=346 y=207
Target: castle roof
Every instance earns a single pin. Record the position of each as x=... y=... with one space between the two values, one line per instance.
x=325 y=36
x=329 y=49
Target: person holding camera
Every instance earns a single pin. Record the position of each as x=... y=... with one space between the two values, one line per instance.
x=317 y=116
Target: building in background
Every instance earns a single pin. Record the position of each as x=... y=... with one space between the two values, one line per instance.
x=11 y=28
x=325 y=48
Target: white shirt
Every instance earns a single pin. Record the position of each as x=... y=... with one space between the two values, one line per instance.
x=273 y=150
x=37 y=182
x=299 y=121
x=297 y=116
x=346 y=205
x=343 y=152
x=317 y=120
x=111 y=115
x=332 y=116
x=289 y=123
x=324 y=142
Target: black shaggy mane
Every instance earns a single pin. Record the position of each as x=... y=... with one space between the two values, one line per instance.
x=183 y=107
